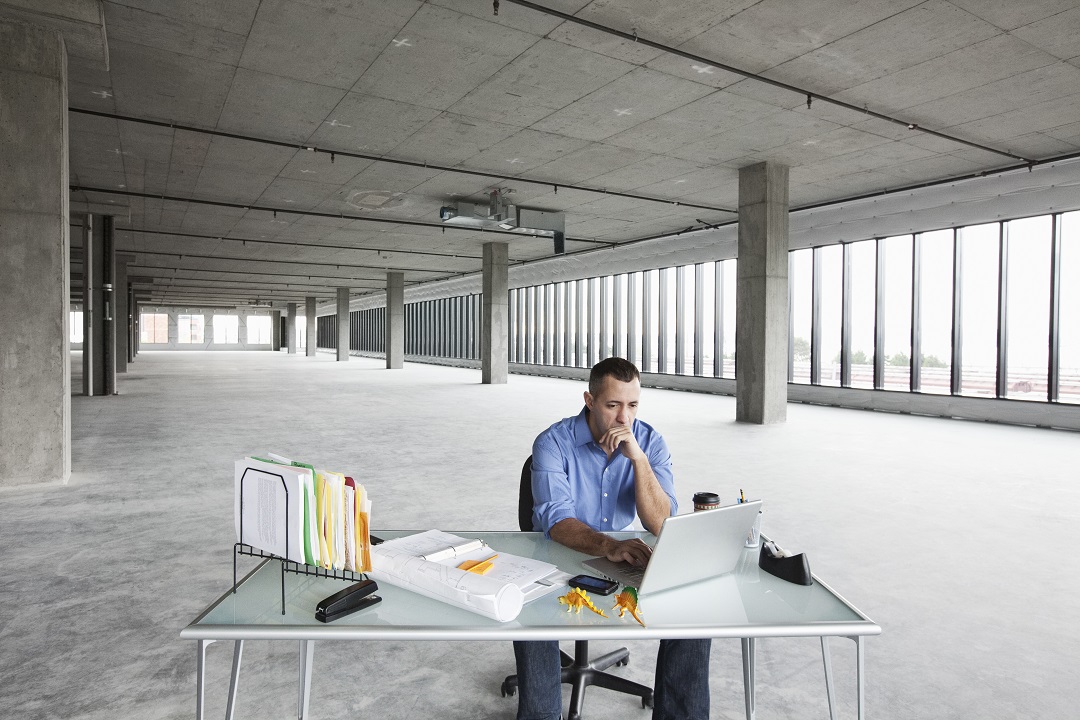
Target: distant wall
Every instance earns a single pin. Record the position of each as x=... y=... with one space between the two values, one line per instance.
x=208 y=329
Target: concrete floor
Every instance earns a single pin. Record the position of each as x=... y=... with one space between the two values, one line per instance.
x=957 y=537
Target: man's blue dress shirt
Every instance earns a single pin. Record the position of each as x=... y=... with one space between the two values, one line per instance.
x=572 y=476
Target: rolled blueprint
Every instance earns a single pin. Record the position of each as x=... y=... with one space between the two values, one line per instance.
x=487 y=596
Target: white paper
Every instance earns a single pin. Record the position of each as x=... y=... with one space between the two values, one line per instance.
x=269 y=508
x=350 y=528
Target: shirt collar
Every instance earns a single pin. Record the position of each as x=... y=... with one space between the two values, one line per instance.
x=582 y=433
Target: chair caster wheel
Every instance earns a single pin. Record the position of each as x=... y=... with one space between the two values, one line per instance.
x=646 y=702
x=508 y=690
x=624 y=661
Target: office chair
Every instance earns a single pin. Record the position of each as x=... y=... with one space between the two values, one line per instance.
x=577 y=671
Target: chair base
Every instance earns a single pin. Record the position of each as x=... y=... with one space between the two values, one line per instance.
x=579 y=672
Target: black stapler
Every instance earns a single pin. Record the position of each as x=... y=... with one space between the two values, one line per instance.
x=353 y=598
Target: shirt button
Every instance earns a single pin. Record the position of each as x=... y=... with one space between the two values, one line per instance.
x=605 y=519
x=605 y=494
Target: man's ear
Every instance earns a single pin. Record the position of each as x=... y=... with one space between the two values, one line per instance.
x=588 y=399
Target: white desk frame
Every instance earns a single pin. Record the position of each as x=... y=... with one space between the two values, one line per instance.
x=718 y=608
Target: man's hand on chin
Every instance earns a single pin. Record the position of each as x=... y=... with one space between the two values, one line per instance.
x=621 y=437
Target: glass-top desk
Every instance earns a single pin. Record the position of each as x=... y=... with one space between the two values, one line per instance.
x=746 y=604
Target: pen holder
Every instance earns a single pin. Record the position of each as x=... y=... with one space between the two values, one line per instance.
x=795 y=569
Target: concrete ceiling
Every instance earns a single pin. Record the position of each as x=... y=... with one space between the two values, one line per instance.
x=202 y=126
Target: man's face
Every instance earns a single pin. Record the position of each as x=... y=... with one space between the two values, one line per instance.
x=615 y=404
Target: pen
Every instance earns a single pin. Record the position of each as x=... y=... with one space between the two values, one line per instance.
x=742 y=498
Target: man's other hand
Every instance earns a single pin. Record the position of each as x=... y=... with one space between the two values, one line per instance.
x=633 y=551
x=621 y=437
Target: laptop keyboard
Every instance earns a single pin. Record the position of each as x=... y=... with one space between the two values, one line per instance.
x=632 y=573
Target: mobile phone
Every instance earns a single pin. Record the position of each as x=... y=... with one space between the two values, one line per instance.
x=592 y=584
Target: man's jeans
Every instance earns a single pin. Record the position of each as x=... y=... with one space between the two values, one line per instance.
x=681 y=690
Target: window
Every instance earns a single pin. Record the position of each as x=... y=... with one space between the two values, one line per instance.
x=935 y=302
x=301 y=332
x=830 y=293
x=189 y=329
x=979 y=295
x=1028 y=307
x=75 y=331
x=226 y=329
x=259 y=330
x=706 y=303
x=1069 y=354
x=650 y=321
x=730 y=275
x=897 y=298
x=154 y=328
x=863 y=294
x=801 y=288
x=666 y=342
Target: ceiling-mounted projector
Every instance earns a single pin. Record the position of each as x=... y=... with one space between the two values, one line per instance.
x=498 y=214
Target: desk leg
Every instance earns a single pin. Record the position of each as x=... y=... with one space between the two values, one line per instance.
x=307 y=655
x=748 y=658
x=826 y=659
x=234 y=679
x=200 y=679
x=859 y=668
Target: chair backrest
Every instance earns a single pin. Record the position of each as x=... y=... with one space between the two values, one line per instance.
x=525 y=497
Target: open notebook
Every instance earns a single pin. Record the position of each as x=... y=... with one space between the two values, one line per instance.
x=689 y=548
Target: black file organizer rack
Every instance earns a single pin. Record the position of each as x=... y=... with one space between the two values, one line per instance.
x=287 y=566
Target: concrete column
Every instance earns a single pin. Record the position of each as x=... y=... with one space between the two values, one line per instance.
x=90 y=270
x=94 y=325
x=35 y=366
x=133 y=322
x=121 y=313
x=108 y=305
x=342 y=323
x=290 y=327
x=761 y=329
x=275 y=322
x=395 y=320
x=496 y=316
x=312 y=326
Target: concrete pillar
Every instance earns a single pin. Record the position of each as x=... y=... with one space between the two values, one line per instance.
x=395 y=320
x=761 y=327
x=90 y=270
x=121 y=313
x=133 y=321
x=108 y=305
x=94 y=325
x=496 y=316
x=311 y=341
x=35 y=366
x=342 y=323
x=290 y=327
x=275 y=330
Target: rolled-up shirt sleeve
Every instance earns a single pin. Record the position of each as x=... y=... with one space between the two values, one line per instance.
x=552 y=499
x=660 y=459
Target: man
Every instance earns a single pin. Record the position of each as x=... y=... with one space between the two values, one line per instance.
x=604 y=470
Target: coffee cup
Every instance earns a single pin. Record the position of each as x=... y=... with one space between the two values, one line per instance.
x=706 y=501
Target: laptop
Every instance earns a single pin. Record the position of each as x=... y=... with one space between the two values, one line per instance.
x=689 y=548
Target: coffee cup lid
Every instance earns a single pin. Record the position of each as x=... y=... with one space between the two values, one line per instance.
x=706 y=498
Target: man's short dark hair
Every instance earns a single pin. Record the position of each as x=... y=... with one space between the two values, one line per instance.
x=616 y=367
